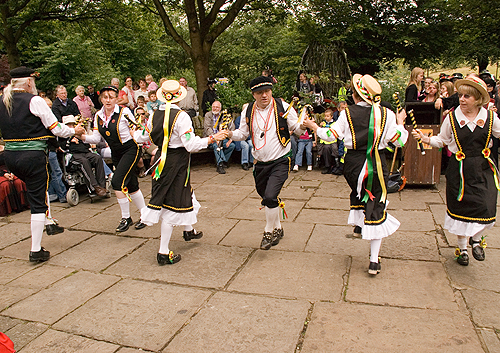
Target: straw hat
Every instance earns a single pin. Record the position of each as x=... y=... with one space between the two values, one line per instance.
x=367 y=87
x=477 y=83
x=68 y=119
x=171 y=91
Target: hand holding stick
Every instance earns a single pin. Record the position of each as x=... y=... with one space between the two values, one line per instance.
x=419 y=139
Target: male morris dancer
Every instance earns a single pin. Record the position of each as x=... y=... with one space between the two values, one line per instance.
x=27 y=123
x=269 y=122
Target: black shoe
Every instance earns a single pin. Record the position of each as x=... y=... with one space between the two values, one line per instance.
x=124 y=225
x=267 y=241
x=277 y=235
x=477 y=251
x=52 y=229
x=374 y=268
x=139 y=225
x=225 y=164
x=245 y=166
x=462 y=257
x=39 y=256
x=169 y=259
x=220 y=169
x=192 y=234
x=356 y=232
x=326 y=170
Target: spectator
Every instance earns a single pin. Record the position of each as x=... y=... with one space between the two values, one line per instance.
x=245 y=146
x=81 y=152
x=303 y=86
x=12 y=190
x=414 y=85
x=211 y=126
x=141 y=103
x=142 y=91
x=190 y=103
x=328 y=150
x=94 y=96
x=305 y=143
x=148 y=148
x=153 y=104
x=209 y=96
x=447 y=89
x=62 y=105
x=122 y=95
x=83 y=102
x=152 y=86
x=130 y=92
x=431 y=92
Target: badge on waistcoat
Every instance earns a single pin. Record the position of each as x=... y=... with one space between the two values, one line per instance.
x=113 y=121
x=480 y=122
x=462 y=122
x=108 y=133
x=283 y=140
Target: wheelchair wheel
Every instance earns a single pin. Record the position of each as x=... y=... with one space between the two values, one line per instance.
x=72 y=197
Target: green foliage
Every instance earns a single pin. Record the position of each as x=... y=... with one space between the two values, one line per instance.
x=393 y=78
x=233 y=95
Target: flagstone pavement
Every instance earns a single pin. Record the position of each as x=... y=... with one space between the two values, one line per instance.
x=104 y=292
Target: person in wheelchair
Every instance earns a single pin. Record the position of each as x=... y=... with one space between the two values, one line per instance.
x=82 y=153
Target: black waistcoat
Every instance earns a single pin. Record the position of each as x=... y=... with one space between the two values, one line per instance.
x=281 y=123
x=111 y=133
x=358 y=118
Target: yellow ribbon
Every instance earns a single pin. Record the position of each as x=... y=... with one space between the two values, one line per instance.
x=380 y=172
x=164 y=147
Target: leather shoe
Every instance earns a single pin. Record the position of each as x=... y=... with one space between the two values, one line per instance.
x=356 y=233
x=477 y=251
x=225 y=164
x=277 y=235
x=374 y=268
x=192 y=234
x=267 y=241
x=245 y=166
x=139 y=225
x=100 y=191
x=124 y=225
x=52 y=229
x=169 y=259
x=220 y=169
x=39 y=256
x=463 y=258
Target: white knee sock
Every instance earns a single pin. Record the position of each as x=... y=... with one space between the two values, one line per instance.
x=477 y=238
x=166 y=233
x=124 y=207
x=462 y=242
x=188 y=228
x=375 y=249
x=272 y=218
x=37 y=225
x=138 y=199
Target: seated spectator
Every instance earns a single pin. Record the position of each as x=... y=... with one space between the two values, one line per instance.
x=142 y=91
x=122 y=95
x=244 y=146
x=329 y=151
x=153 y=104
x=190 y=103
x=223 y=149
x=12 y=190
x=305 y=143
x=82 y=153
x=94 y=96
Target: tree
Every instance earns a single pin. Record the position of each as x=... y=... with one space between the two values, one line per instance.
x=17 y=15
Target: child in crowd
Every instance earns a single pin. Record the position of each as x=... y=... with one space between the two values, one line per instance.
x=305 y=142
x=329 y=151
x=141 y=103
x=153 y=104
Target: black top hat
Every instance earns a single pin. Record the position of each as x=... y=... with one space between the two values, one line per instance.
x=23 y=72
x=261 y=83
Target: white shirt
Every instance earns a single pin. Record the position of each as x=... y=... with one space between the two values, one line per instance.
x=342 y=129
x=123 y=128
x=179 y=136
x=268 y=147
x=39 y=108
x=445 y=136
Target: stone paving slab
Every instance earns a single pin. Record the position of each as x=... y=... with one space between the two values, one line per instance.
x=224 y=193
x=222 y=208
x=95 y=253
x=202 y=265
x=438 y=212
x=250 y=209
x=13 y=233
x=21 y=217
x=296 y=193
x=54 y=243
x=484 y=307
x=410 y=246
x=243 y=323
x=11 y=269
x=6 y=323
x=321 y=177
x=332 y=189
x=337 y=240
x=55 y=341
x=416 y=284
x=214 y=229
x=24 y=333
x=479 y=274
x=249 y=234
x=395 y=203
x=491 y=340
x=379 y=329
x=292 y=275
x=233 y=174
x=328 y=203
x=417 y=194
x=306 y=184
x=131 y=350
x=492 y=238
x=247 y=180
x=414 y=221
x=47 y=307
x=42 y=277
x=70 y=217
x=11 y=294
x=135 y=313
x=332 y=217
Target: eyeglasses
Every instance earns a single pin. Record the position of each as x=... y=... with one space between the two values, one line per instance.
x=141 y=113
x=466 y=96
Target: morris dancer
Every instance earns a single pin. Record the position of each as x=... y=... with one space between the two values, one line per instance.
x=269 y=122
x=471 y=177
x=27 y=123
x=172 y=198
x=112 y=123
x=366 y=128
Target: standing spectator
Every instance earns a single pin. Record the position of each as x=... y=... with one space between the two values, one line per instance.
x=431 y=92
x=62 y=106
x=447 y=89
x=153 y=104
x=414 y=85
x=94 y=96
x=130 y=92
x=190 y=103
x=122 y=95
x=152 y=86
x=83 y=102
x=209 y=96
x=142 y=91
x=211 y=126
x=304 y=143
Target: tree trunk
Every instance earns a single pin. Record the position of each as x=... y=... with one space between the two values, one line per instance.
x=482 y=63
x=201 y=58
x=12 y=52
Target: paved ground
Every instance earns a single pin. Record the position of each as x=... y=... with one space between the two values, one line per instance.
x=103 y=292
